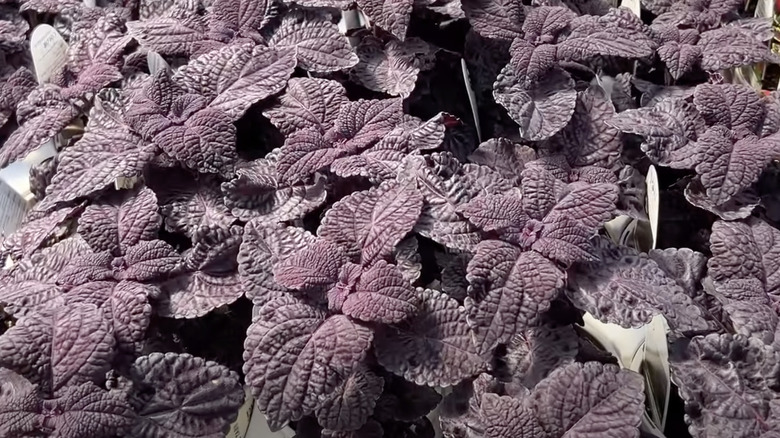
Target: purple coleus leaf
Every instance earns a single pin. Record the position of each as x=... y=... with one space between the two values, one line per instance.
x=434 y=347
x=33 y=234
x=183 y=126
x=508 y=290
x=235 y=77
x=362 y=123
x=556 y=225
x=743 y=272
x=316 y=265
x=307 y=103
x=369 y=224
x=315 y=40
x=60 y=347
x=262 y=247
x=103 y=43
x=116 y=222
x=14 y=89
x=169 y=35
x=82 y=410
x=305 y=152
x=32 y=283
x=179 y=395
x=257 y=191
x=504 y=156
x=390 y=67
x=628 y=288
x=669 y=127
x=727 y=384
x=148 y=260
x=43 y=114
x=125 y=305
x=295 y=354
x=190 y=201
x=210 y=279
x=95 y=162
x=445 y=185
x=541 y=108
x=350 y=405
x=727 y=164
x=576 y=399
x=535 y=352
x=377 y=294
x=737 y=107
x=391 y=15
x=495 y=19
x=587 y=140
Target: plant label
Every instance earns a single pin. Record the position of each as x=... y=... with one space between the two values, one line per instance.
x=49 y=52
x=653 y=201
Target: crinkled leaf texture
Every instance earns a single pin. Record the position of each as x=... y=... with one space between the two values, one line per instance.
x=59 y=347
x=210 y=279
x=237 y=76
x=369 y=224
x=349 y=406
x=262 y=247
x=316 y=42
x=390 y=68
x=294 y=354
x=121 y=220
x=744 y=274
x=728 y=384
x=179 y=395
x=628 y=288
x=307 y=103
x=540 y=108
x=508 y=290
x=434 y=347
x=258 y=192
x=83 y=410
x=583 y=400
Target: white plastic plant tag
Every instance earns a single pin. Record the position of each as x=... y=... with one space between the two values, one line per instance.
x=616 y=226
x=156 y=63
x=632 y=5
x=656 y=368
x=623 y=343
x=125 y=183
x=90 y=3
x=13 y=207
x=472 y=97
x=239 y=427
x=653 y=201
x=49 y=52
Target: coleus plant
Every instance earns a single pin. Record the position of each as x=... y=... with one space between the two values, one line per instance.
x=281 y=199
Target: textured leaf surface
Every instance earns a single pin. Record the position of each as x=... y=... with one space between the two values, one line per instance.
x=315 y=265
x=508 y=290
x=627 y=288
x=495 y=19
x=167 y=35
x=293 y=355
x=307 y=103
x=724 y=380
x=736 y=107
x=60 y=347
x=262 y=247
x=317 y=43
x=186 y=396
x=390 y=68
x=541 y=108
x=369 y=224
x=390 y=15
x=349 y=407
x=590 y=400
x=381 y=294
x=432 y=348
x=95 y=162
x=236 y=76
x=256 y=192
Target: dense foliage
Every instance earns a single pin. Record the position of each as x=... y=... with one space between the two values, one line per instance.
x=306 y=199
